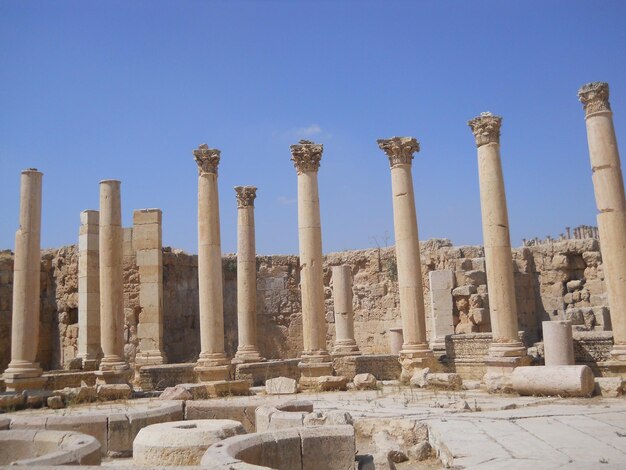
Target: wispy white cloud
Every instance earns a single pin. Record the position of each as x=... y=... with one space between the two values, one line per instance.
x=312 y=130
x=285 y=201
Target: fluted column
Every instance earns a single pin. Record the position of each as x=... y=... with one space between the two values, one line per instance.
x=608 y=185
x=212 y=364
x=247 y=350
x=506 y=349
x=415 y=352
x=89 y=349
x=23 y=372
x=113 y=366
x=345 y=344
x=315 y=360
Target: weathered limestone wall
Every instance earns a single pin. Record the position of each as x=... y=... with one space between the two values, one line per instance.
x=563 y=280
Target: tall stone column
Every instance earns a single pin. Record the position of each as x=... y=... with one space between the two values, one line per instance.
x=113 y=367
x=345 y=344
x=23 y=372
x=608 y=185
x=212 y=364
x=147 y=243
x=415 y=353
x=506 y=350
x=89 y=290
x=247 y=350
x=315 y=360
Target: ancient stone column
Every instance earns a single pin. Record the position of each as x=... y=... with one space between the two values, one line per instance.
x=89 y=349
x=148 y=245
x=113 y=366
x=212 y=364
x=506 y=350
x=247 y=350
x=23 y=372
x=608 y=185
x=345 y=344
x=415 y=353
x=315 y=360
x=558 y=344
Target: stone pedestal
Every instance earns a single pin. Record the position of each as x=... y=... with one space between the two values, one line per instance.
x=506 y=352
x=89 y=349
x=147 y=243
x=558 y=344
x=212 y=364
x=23 y=372
x=442 y=308
x=315 y=360
x=415 y=352
x=608 y=185
x=113 y=367
x=345 y=344
x=247 y=350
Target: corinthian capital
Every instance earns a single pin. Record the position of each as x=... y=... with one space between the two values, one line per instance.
x=486 y=128
x=400 y=150
x=245 y=196
x=306 y=156
x=594 y=97
x=207 y=159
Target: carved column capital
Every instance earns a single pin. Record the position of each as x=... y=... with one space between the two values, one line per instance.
x=486 y=128
x=400 y=150
x=207 y=159
x=245 y=196
x=306 y=156
x=594 y=97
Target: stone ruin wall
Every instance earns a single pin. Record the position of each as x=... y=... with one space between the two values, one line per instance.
x=553 y=281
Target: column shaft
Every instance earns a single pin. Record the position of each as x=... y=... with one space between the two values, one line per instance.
x=113 y=366
x=89 y=349
x=23 y=372
x=345 y=344
x=212 y=363
x=608 y=184
x=247 y=350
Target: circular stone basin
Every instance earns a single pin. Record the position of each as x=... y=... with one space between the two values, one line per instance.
x=181 y=442
x=32 y=447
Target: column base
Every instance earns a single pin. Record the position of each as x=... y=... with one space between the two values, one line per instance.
x=113 y=371
x=313 y=365
x=247 y=355
x=150 y=358
x=498 y=371
x=212 y=367
x=618 y=353
x=413 y=357
x=346 y=348
x=23 y=375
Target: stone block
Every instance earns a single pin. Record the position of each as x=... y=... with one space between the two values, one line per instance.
x=223 y=388
x=150 y=295
x=114 y=392
x=281 y=386
x=88 y=242
x=449 y=381
x=365 y=382
x=151 y=274
x=475 y=278
x=337 y=441
x=176 y=393
x=90 y=217
x=147 y=237
x=441 y=280
x=89 y=285
x=149 y=257
x=93 y=425
x=609 y=387
x=331 y=382
x=147 y=216
x=464 y=291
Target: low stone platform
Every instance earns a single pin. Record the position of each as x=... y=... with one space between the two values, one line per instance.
x=259 y=372
x=115 y=425
x=58 y=379
x=165 y=375
x=381 y=366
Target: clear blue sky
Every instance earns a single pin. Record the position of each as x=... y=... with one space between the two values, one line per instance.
x=126 y=90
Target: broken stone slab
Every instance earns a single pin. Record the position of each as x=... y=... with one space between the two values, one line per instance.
x=114 y=392
x=176 y=393
x=609 y=387
x=75 y=395
x=449 y=381
x=365 y=382
x=281 y=386
x=419 y=377
x=327 y=383
x=12 y=400
x=225 y=388
x=420 y=451
x=566 y=381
